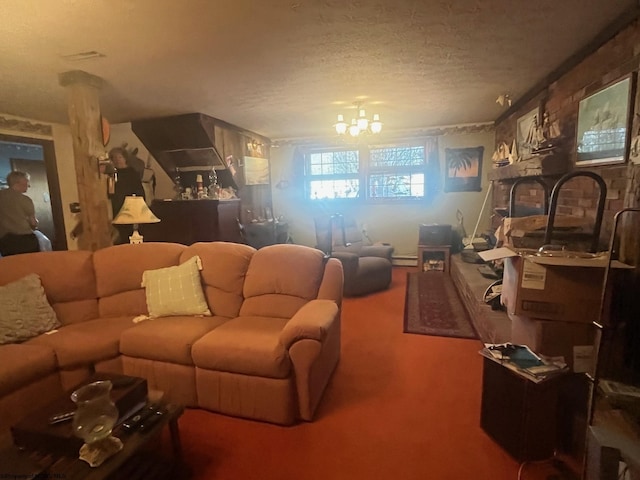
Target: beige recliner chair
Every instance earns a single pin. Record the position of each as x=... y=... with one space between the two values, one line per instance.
x=367 y=268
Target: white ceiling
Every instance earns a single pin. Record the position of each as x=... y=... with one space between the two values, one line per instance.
x=285 y=68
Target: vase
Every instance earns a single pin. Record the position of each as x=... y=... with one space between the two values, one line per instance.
x=96 y=414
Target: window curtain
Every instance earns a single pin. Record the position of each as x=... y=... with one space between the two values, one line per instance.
x=433 y=177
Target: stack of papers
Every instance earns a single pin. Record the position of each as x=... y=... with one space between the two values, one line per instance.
x=523 y=361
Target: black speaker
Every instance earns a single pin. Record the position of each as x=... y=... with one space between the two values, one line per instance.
x=434 y=234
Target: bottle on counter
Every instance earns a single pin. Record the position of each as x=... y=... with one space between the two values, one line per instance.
x=199 y=186
x=177 y=185
x=214 y=189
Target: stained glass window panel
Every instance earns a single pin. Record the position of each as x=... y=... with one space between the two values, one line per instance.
x=396 y=185
x=397 y=157
x=334 y=163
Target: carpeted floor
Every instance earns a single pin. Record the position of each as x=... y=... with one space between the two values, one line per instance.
x=399 y=406
x=432 y=307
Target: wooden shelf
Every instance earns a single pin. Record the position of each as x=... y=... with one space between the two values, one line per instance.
x=439 y=253
x=554 y=164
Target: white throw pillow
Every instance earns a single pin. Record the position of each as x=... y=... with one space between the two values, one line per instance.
x=24 y=310
x=175 y=290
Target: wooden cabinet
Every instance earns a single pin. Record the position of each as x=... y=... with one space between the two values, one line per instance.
x=434 y=257
x=191 y=221
x=519 y=414
x=262 y=234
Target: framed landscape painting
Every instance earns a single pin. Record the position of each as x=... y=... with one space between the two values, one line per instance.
x=463 y=169
x=603 y=124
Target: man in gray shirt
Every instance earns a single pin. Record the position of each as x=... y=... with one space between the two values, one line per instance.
x=17 y=217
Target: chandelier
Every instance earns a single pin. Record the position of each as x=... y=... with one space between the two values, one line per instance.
x=360 y=124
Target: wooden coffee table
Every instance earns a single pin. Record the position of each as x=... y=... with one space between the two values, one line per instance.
x=139 y=458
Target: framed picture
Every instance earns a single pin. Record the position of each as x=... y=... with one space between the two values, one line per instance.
x=256 y=171
x=463 y=169
x=603 y=125
x=526 y=133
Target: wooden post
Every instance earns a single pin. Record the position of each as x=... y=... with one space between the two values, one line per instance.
x=86 y=130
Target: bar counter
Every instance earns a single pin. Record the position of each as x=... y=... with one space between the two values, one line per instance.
x=191 y=221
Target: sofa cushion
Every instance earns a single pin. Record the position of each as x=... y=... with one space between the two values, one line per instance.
x=225 y=266
x=24 y=310
x=23 y=364
x=119 y=274
x=175 y=290
x=247 y=345
x=74 y=299
x=167 y=339
x=281 y=279
x=86 y=343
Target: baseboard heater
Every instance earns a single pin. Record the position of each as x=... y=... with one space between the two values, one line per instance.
x=404 y=260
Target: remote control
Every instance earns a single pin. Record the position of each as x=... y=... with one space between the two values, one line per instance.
x=134 y=422
x=147 y=424
x=61 y=417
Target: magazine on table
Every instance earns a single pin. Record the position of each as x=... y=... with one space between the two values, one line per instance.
x=523 y=360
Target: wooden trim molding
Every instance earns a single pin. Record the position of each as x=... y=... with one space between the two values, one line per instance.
x=25 y=126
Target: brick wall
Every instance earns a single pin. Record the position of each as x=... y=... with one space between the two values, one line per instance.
x=618 y=57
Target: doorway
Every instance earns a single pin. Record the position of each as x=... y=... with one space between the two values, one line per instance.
x=37 y=158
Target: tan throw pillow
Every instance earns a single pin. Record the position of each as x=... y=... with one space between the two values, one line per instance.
x=175 y=290
x=24 y=310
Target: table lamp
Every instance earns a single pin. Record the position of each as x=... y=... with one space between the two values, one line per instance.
x=133 y=212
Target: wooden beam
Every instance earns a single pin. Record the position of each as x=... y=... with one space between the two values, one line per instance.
x=86 y=131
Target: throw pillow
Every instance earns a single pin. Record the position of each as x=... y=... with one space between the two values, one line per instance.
x=175 y=290
x=24 y=310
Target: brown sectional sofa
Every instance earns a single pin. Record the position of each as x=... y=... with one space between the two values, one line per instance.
x=267 y=351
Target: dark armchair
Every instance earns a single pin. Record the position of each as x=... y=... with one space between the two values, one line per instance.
x=367 y=268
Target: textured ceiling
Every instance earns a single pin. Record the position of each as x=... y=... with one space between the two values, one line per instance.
x=285 y=68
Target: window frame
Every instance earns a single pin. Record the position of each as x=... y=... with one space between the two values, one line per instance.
x=366 y=171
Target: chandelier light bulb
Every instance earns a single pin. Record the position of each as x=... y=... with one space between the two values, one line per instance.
x=376 y=124
x=354 y=130
x=360 y=124
x=341 y=125
x=363 y=121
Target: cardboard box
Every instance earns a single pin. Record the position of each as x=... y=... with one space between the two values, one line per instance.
x=553 y=338
x=552 y=288
x=529 y=231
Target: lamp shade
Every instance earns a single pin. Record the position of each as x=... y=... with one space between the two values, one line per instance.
x=134 y=211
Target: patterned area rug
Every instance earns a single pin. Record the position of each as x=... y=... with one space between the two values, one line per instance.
x=432 y=307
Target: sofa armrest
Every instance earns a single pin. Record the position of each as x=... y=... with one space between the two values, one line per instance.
x=383 y=251
x=311 y=322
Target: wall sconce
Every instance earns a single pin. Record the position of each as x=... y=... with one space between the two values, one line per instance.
x=255 y=147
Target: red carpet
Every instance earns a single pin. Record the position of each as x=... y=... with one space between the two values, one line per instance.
x=399 y=407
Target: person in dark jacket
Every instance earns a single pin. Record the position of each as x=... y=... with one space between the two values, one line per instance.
x=127 y=182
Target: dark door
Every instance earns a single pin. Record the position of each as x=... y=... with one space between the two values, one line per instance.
x=45 y=185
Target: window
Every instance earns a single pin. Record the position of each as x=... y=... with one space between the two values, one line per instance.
x=333 y=174
x=397 y=172
x=374 y=174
